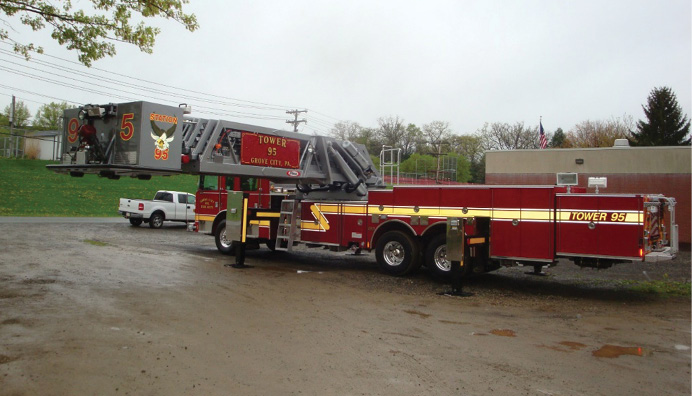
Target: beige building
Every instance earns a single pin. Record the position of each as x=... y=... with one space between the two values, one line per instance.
x=650 y=170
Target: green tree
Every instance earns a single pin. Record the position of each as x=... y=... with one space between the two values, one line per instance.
x=368 y=138
x=419 y=164
x=411 y=139
x=558 y=139
x=21 y=114
x=471 y=147
x=49 y=116
x=437 y=135
x=665 y=123
x=93 y=33
x=463 y=167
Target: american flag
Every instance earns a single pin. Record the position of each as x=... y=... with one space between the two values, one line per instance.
x=544 y=141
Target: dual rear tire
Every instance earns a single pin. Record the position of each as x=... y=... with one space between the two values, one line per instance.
x=398 y=254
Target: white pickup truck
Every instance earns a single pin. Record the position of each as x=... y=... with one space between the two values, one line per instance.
x=166 y=205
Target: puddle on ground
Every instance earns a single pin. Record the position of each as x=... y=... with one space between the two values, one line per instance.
x=6 y=359
x=571 y=346
x=401 y=334
x=575 y=346
x=277 y=269
x=453 y=322
x=419 y=313
x=614 y=351
x=503 y=332
x=38 y=281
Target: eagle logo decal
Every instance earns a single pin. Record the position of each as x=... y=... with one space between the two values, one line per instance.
x=161 y=138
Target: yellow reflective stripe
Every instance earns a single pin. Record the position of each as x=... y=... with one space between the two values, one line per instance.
x=204 y=218
x=506 y=214
x=634 y=218
x=537 y=215
x=261 y=223
x=244 y=226
x=612 y=216
x=359 y=209
x=326 y=208
x=476 y=241
x=309 y=225
x=320 y=217
x=267 y=214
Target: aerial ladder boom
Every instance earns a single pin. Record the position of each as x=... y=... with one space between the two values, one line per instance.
x=141 y=139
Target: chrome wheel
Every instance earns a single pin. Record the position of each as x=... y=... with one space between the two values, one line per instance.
x=397 y=253
x=393 y=253
x=440 y=259
x=222 y=238
x=223 y=244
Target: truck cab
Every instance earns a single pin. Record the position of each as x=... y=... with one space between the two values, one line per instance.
x=212 y=197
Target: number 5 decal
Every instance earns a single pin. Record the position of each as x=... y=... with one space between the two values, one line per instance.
x=127 y=129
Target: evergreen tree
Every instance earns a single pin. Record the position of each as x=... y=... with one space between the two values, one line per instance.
x=558 y=139
x=665 y=123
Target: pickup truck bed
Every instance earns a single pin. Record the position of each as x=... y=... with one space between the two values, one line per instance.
x=166 y=206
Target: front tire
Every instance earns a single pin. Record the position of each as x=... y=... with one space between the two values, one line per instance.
x=222 y=244
x=397 y=253
x=136 y=222
x=156 y=220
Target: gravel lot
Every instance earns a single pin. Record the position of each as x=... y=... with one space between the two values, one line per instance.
x=109 y=309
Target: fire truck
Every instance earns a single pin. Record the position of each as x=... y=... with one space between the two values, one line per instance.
x=339 y=200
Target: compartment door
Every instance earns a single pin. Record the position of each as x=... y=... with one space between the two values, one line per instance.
x=576 y=236
x=505 y=226
x=537 y=228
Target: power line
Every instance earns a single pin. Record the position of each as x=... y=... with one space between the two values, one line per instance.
x=208 y=98
x=296 y=121
x=273 y=106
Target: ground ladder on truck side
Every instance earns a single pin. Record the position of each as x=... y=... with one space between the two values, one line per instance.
x=288 y=231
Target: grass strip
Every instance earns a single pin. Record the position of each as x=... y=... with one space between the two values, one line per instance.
x=30 y=189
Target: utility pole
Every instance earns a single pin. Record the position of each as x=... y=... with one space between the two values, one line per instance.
x=296 y=121
x=12 y=129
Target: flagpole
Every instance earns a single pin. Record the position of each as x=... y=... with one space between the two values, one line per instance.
x=540 y=133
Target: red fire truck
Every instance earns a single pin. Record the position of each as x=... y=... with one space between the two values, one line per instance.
x=407 y=225
x=340 y=201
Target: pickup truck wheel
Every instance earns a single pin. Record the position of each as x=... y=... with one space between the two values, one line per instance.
x=222 y=244
x=397 y=253
x=136 y=222
x=156 y=220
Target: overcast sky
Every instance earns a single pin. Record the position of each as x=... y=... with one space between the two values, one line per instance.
x=465 y=62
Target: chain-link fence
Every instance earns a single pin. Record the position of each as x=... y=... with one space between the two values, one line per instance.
x=22 y=143
x=11 y=145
